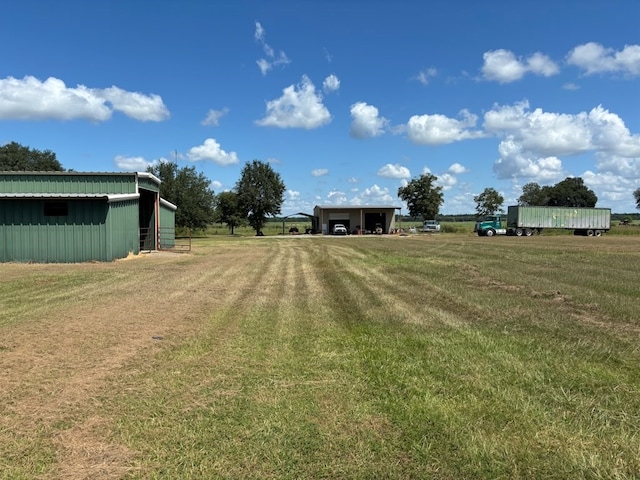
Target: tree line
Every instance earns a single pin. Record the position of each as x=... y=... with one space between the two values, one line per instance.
x=259 y=192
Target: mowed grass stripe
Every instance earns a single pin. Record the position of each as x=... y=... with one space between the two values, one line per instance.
x=261 y=390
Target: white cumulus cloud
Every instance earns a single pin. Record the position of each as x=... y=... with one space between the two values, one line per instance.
x=31 y=99
x=440 y=130
x=516 y=162
x=610 y=187
x=331 y=83
x=595 y=58
x=620 y=166
x=533 y=140
x=504 y=67
x=366 y=121
x=299 y=107
x=135 y=105
x=292 y=194
x=210 y=150
x=376 y=195
x=446 y=181
x=457 y=168
x=134 y=164
x=319 y=172
x=336 y=197
x=394 y=171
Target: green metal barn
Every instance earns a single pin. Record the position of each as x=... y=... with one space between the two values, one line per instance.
x=78 y=217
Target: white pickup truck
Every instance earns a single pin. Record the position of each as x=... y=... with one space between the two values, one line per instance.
x=339 y=229
x=431 y=226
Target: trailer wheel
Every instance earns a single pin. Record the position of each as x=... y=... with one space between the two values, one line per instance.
x=589 y=233
x=490 y=233
x=518 y=232
x=528 y=232
x=598 y=233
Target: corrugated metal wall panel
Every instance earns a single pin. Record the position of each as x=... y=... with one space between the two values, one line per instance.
x=123 y=229
x=167 y=227
x=68 y=183
x=148 y=184
x=559 y=217
x=29 y=236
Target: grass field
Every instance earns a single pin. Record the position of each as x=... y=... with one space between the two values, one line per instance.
x=443 y=356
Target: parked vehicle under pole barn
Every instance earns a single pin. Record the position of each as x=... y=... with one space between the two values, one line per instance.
x=525 y=221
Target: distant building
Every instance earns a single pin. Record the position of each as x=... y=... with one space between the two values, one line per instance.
x=357 y=218
x=80 y=217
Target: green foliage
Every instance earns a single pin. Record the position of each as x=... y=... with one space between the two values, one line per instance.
x=260 y=193
x=17 y=158
x=189 y=191
x=533 y=196
x=636 y=195
x=422 y=196
x=456 y=227
x=488 y=202
x=228 y=210
x=570 y=192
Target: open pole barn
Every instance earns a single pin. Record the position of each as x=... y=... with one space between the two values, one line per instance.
x=67 y=217
x=357 y=218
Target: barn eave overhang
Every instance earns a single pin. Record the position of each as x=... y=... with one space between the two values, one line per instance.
x=72 y=196
x=168 y=204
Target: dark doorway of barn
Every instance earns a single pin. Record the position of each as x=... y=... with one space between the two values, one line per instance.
x=374 y=220
x=148 y=220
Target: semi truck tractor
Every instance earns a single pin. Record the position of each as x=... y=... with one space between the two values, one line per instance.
x=525 y=221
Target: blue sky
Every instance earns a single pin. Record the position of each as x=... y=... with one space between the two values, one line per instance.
x=347 y=99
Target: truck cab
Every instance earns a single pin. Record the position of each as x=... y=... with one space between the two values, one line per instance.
x=490 y=226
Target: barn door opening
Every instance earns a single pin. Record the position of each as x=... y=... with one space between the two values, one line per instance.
x=148 y=220
x=373 y=220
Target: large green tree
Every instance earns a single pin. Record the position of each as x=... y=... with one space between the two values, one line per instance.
x=533 y=195
x=488 y=202
x=190 y=191
x=636 y=195
x=422 y=196
x=572 y=192
x=260 y=193
x=17 y=158
x=228 y=210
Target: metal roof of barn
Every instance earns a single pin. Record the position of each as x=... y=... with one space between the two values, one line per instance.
x=168 y=204
x=89 y=183
x=72 y=196
x=357 y=207
x=148 y=175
